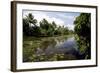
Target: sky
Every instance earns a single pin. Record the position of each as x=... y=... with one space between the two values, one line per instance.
x=65 y=19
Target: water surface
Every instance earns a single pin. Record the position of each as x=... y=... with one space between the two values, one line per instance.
x=36 y=49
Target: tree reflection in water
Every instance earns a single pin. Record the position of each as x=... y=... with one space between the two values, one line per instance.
x=50 y=49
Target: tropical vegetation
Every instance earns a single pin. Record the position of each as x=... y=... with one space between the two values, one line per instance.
x=44 y=33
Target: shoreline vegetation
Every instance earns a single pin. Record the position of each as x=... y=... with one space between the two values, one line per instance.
x=39 y=37
x=44 y=28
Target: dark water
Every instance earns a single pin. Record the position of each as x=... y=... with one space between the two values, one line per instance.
x=50 y=49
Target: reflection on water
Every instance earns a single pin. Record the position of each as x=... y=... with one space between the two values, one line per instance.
x=50 y=49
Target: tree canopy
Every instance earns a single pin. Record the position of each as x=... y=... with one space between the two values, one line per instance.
x=45 y=28
x=83 y=31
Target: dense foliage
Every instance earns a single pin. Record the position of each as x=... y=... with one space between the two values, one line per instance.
x=31 y=27
x=83 y=33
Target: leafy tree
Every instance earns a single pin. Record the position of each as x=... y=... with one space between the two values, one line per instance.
x=31 y=19
x=47 y=28
x=54 y=25
x=44 y=24
x=27 y=22
x=83 y=31
x=61 y=30
x=66 y=31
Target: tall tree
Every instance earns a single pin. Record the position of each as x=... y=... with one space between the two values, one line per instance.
x=83 y=31
x=28 y=22
x=31 y=19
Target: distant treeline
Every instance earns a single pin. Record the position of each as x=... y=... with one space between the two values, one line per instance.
x=45 y=28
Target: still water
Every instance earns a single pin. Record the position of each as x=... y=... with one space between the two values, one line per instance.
x=50 y=49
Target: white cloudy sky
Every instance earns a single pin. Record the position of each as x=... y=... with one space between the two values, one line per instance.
x=60 y=18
